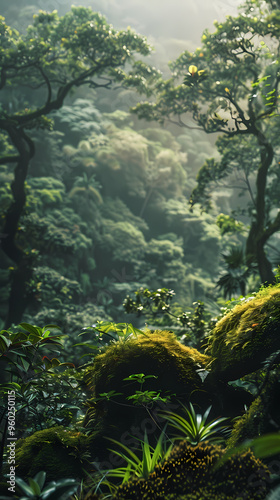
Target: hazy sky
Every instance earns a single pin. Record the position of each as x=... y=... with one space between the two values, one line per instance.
x=170 y=25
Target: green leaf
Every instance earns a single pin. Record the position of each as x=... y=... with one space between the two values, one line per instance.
x=29 y=328
x=24 y=487
x=25 y=364
x=35 y=486
x=6 y=341
x=267 y=445
x=55 y=490
x=51 y=326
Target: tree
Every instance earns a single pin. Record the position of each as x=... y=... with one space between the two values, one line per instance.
x=37 y=71
x=230 y=86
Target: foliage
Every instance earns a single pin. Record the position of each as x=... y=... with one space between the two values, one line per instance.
x=55 y=55
x=234 y=280
x=228 y=224
x=262 y=446
x=195 y=427
x=44 y=192
x=86 y=187
x=247 y=334
x=190 y=468
x=207 y=90
x=158 y=303
x=36 y=489
x=56 y=449
x=135 y=467
x=126 y=242
x=174 y=368
x=75 y=241
x=20 y=351
x=53 y=399
x=81 y=117
x=5 y=189
x=29 y=375
x=258 y=418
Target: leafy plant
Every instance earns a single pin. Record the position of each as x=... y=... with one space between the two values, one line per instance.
x=158 y=302
x=105 y=331
x=135 y=466
x=195 y=427
x=24 y=366
x=234 y=279
x=144 y=398
x=139 y=398
x=54 y=399
x=262 y=446
x=36 y=489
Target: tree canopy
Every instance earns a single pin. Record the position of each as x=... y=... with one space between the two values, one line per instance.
x=230 y=86
x=55 y=56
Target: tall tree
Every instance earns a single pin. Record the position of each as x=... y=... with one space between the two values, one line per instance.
x=37 y=71
x=230 y=85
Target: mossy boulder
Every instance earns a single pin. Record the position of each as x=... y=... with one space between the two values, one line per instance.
x=246 y=336
x=61 y=453
x=190 y=473
x=175 y=371
x=175 y=366
x=262 y=417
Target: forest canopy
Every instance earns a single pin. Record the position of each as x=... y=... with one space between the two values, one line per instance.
x=229 y=86
x=89 y=193
x=139 y=245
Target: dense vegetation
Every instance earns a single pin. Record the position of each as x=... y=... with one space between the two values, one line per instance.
x=104 y=219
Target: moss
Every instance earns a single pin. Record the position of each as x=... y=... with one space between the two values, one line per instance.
x=257 y=420
x=245 y=336
x=57 y=451
x=162 y=346
x=190 y=469
x=249 y=425
x=154 y=353
x=202 y=494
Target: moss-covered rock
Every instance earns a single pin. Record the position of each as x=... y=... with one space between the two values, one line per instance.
x=57 y=451
x=245 y=336
x=158 y=353
x=262 y=416
x=202 y=494
x=190 y=473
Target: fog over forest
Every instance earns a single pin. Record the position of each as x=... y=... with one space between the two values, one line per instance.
x=171 y=26
x=139 y=249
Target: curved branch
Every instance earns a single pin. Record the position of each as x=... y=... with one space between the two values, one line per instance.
x=9 y=159
x=271 y=229
x=47 y=81
x=30 y=143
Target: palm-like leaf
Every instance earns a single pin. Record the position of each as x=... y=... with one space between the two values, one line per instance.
x=136 y=467
x=195 y=427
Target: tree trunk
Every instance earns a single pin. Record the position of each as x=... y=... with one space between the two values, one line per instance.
x=23 y=267
x=256 y=239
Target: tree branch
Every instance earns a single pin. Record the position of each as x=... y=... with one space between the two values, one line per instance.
x=47 y=81
x=271 y=229
x=9 y=159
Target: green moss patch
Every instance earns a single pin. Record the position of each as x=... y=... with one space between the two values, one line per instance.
x=245 y=336
x=190 y=469
x=57 y=451
x=158 y=353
